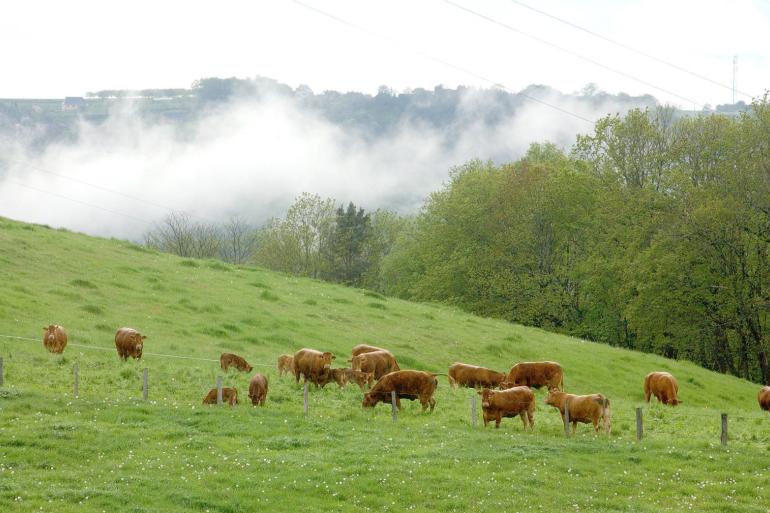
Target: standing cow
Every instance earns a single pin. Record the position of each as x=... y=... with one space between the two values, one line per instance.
x=377 y=362
x=663 y=386
x=227 y=360
x=582 y=408
x=258 y=389
x=312 y=364
x=55 y=338
x=536 y=375
x=512 y=402
x=472 y=376
x=764 y=398
x=408 y=384
x=285 y=364
x=129 y=342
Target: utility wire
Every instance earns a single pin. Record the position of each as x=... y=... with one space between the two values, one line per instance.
x=569 y=52
x=630 y=48
x=442 y=61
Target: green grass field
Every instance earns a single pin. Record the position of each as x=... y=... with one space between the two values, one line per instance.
x=109 y=450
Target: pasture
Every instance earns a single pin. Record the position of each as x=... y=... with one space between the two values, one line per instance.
x=108 y=450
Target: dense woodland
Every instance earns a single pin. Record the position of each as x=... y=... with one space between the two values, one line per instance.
x=652 y=233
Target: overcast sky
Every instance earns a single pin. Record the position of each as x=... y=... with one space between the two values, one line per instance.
x=53 y=49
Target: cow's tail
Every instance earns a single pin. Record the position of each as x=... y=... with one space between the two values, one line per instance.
x=606 y=415
x=561 y=382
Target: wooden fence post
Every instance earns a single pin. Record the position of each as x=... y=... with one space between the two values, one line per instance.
x=145 y=388
x=393 y=404
x=219 y=389
x=639 y=428
x=724 y=429
x=76 y=380
x=1 y=371
x=305 y=396
x=473 y=410
x=566 y=418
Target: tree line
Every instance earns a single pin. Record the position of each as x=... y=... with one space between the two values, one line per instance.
x=651 y=233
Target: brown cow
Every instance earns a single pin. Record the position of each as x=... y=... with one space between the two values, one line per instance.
x=129 y=342
x=663 y=386
x=311 y=364
x=582 y=408
x=764 y=398
x=512 y=402
x=362 y=379
x=337 y=375
x=257 y=389
x=285 y=364
x=536 y=375
x=227 y=360
x=229 y=396
x=365 y=348
x=55 y=338
x=408 y=384
x=378 y=362
x=472 y=376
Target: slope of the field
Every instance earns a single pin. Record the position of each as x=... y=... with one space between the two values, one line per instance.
x=108 y=450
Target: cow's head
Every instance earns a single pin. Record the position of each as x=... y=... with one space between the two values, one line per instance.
x=674 y=402
x=486 y=395
x=327 y=358
x=50 y=332
x=369 y=378
x=505 y=384
x=368 y=401
x=555 y=397
x=248 y=368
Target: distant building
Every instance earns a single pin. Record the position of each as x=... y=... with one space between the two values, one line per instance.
x=73 y=103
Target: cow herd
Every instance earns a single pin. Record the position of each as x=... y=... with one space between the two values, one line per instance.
x=378 y=375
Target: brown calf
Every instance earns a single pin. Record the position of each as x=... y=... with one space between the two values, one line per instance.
x=663 y=386
x=337 y=375
x=512 y=402
x=285 y=364
x=229 y=396
x=55 y=338
x=311 y=364
x=536 y=375
x=472 y=376
x=129 y=342
x=377 y=362
x=582 y=408
x=257 y=389
x=408 y=384
x=227 y=360
x=362 y=379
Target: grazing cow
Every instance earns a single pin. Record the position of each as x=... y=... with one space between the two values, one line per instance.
x=227 y=360
x=472 y=376
x=257 y=389
x=55 y=338
x=663 y=386
x=364 y=348
x=536 y=375
x=362 y=379
x=512 y=402
x=764 y=398
x=378 y=362
x=229 y=396
x=337 y=375
x=129 y=342
x=408 y=384
x=582 y=408
x=285 y=364
x=311 y=364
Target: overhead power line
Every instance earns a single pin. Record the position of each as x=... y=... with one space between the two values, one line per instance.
x=630 y=48
x=442 y=61
x=569 y=52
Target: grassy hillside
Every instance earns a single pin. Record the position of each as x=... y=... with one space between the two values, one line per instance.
x=108 y=450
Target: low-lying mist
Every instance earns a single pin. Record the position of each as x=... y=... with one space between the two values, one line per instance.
x=251 y=157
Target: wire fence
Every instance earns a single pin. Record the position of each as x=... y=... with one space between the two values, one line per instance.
x=654 y=414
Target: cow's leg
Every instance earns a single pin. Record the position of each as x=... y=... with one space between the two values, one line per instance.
x=523 y=416
x=498 y=418
x=531 y=417
x=596 y=425
x=296 y=375
x=574 y=426
x=432 y=404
